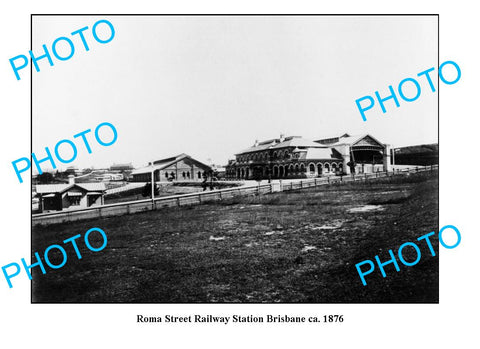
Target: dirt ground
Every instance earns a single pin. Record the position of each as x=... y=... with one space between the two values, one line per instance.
x=286 y=247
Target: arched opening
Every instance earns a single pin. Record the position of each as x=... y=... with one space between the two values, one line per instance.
x=280 y=172
x=311 y=169
x=275 y=171
x=243 y=173
x=247 y=173
x=327 y=168
x=302 y=168
x=319 y=169
x=334 y=168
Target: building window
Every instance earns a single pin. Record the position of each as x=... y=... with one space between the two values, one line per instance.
x=74 y=200
x=302 y=168
x=199 y=174
x=166 y=174
x=188 y=174
x=312 y=168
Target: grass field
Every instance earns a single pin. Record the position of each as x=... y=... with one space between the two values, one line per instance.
x=285 y=247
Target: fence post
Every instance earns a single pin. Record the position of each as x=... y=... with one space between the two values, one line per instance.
x=178 y=201
x=200 y=198
x=328 y=179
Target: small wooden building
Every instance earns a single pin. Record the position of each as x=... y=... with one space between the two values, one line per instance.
x=57 y=197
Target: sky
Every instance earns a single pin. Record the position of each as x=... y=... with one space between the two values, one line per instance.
x=209 y=86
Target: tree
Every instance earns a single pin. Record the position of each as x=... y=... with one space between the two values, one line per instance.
x=45 y=178
x=147 y=190
x=257 y=174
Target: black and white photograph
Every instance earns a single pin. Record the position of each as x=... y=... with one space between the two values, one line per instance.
x=239 y=174
x=284 y=151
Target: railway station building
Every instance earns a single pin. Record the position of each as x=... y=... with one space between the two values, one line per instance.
x=297 y=157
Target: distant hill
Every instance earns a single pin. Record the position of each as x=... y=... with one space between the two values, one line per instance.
x=422 y=155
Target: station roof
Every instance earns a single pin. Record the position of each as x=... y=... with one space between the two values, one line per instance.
x=61 y=188
x=346 y=139
x=321 y=154
x=277 y=143
x=166 y=162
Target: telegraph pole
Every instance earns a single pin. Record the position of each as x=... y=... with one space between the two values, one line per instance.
x=153 y=184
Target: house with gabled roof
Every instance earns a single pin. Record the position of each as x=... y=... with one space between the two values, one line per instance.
x=57 y=197
x=179 y=168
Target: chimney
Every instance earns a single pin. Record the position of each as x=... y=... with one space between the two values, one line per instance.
x=256 y=143
x=71 y=179
x=282 y=137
